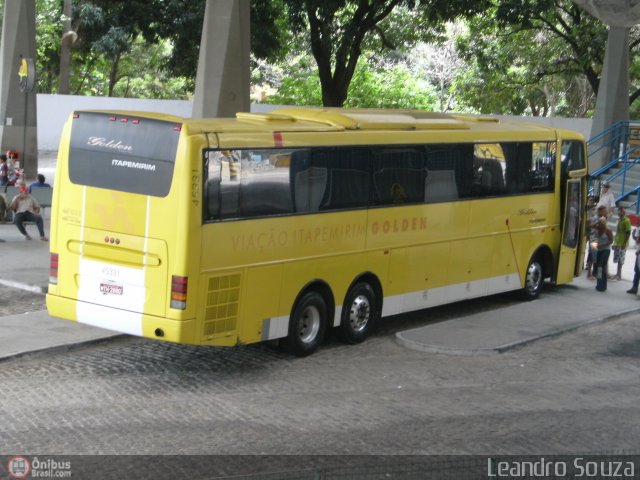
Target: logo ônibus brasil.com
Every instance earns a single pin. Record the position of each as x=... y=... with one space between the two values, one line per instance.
x=18 y=466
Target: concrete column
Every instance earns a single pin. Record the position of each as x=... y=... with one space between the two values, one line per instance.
x=18 y=109
x=222 y=81
x=612 y=104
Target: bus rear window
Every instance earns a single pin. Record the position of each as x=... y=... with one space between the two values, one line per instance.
x=129 y=154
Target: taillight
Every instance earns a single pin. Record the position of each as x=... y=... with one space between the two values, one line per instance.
x=179 y=292
x=53 y=269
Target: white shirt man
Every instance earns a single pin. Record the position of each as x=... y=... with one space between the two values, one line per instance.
x=607 y=199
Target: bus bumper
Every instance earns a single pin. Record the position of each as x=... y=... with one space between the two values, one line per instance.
x=148 y=326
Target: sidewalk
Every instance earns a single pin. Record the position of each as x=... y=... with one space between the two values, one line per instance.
x=25 y=265
x=559 y=309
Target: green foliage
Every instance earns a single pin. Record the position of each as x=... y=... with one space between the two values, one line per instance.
x=532 y=56
x=108 y=49
x=395 y=87
x=541 y=57
x=48 y=33
x=371 y=87
x=180 y=22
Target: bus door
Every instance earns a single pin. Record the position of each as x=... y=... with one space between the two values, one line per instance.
x=573 y=198
x=572 y=232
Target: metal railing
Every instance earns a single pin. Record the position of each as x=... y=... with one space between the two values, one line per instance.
x=621 y=144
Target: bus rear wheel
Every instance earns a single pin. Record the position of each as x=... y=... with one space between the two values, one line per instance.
x=533 y=280
x=358 y=314
x=307 y=325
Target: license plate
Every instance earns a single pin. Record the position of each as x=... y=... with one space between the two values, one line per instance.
x=110 y=289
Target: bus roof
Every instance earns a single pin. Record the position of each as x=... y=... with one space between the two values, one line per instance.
x=299 y=119
x=316 y=119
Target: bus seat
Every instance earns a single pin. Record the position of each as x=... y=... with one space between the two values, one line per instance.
x=229 y=197
x=411 y=180
x=486 y=179
x=347 y=187
x=213 y=198
x=266 y=197
x=309 y=188
x=440 y=186
x=496 y=180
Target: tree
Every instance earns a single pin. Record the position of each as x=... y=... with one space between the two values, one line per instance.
x=100 y=35
x=67 y=40
x=549 y=52
x=441 y=63
x=375 y=84
x=180 y=22
x=338 y=29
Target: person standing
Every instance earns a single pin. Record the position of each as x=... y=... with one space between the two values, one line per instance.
x=27 y=210
x=607 y=199
x=636 y=267
x=620 y=241
x=603 y=250
x=4 y=170
x=592 y=238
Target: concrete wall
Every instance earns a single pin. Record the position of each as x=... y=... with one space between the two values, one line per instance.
x=53 y=111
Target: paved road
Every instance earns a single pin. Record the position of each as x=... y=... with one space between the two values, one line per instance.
x=575 y=393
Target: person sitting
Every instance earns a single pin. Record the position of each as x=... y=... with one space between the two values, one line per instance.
x=27 y=210
x=15 y=172
x=3 y=210
x=40 y=183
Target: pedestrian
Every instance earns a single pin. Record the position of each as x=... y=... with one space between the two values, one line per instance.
x=607 y=199
x=603 y=250
x=636 y=267
x=620 y=242
x=27 y=210
x=4 y=170
x=593 y=214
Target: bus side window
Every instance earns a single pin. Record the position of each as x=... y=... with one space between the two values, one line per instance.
x=489 y=177
x=213 y=172
x=347 y=171
x=449 y=172
x=440 y=186
x=309 y=189
x=230 y=174
x=572 y=156
x=529 y=166
x=308 y=183
x=398 y=176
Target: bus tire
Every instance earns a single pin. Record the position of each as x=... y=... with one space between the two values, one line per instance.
x=533 y=280
x=358 y=314
x=307 y=325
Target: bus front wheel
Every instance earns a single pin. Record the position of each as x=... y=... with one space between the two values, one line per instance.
x=533 y=280
x=307 y=325
x=358 y=314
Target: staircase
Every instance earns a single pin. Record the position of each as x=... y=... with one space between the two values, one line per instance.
x=620 y=145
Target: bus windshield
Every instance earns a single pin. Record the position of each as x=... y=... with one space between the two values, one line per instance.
x=123 y=153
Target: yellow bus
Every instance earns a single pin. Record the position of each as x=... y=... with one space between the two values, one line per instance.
x=290 y=224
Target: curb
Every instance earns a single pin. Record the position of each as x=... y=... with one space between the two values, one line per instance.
x=67 y=347
x=23 y=286
x=408 y=343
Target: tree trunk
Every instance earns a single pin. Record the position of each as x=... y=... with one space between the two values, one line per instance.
x=68 y=38
x=113 y=74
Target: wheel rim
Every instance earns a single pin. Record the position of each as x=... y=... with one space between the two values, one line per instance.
x=309 y=324
x=359 y=313
x=534 y=277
